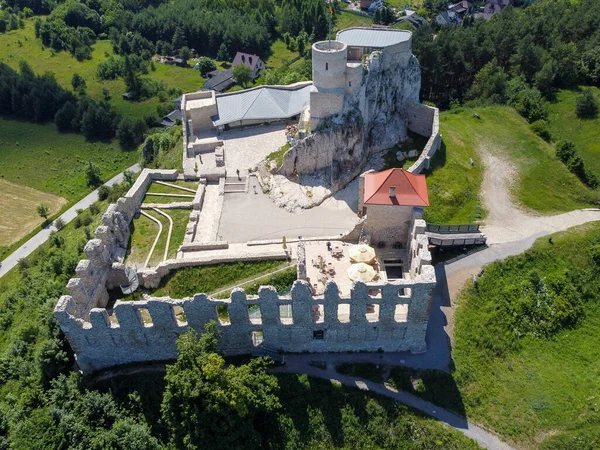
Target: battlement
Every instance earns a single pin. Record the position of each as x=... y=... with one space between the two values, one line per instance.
x=389 y=316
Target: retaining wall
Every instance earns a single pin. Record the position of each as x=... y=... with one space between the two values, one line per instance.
x=425 y=121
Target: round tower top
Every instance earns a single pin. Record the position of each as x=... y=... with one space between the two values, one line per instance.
x=329 y=46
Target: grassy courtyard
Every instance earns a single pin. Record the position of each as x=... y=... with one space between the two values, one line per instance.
x=208 y=279
x=156 y=188
x=144 y=231
x=21 y=44
x=454 y=184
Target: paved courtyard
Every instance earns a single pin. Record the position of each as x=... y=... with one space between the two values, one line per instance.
x=246 y=148
x=253 y=216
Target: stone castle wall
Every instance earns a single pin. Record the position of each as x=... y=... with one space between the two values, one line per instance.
x=425 y=121
x=99 y=342
x=101 y=269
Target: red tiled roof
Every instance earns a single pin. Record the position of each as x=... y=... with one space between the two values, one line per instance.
x=411 y=189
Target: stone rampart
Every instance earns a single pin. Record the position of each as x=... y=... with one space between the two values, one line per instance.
x=102 y=267
x=425 y=121
x=314 y=326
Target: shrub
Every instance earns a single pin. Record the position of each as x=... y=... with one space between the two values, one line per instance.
x=92 y=174
x=540 y=127
x=565 y=150
x=77 y=222
x=59 y=224
x=63 y=119
x=95 y=207
x=103 y=192
x=42 y=210
x=587 y=105
x=78 y=82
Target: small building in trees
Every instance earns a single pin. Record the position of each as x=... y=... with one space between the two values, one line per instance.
x=252 y=61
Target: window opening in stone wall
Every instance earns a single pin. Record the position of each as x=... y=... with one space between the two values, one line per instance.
x=319 y=335
x=285 y=314
x=257 y=338
x=180 y=316
x=375 y=293
x=145 y=317
x=404 y=292
x=401 y=313
x=254 y=315
x=372 y=314
x=223 y=315
x=349 y=83
x=318 y=313
x=344 y=313
x=326 y=66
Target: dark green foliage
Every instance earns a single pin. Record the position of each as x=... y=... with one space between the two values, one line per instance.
x=587 y=105
x=209 y=404
x=103 y=192
x=489 y=86
x=527 y=101
x=241 y=74
x=78 y=82
x=540 y=127
x=206 y=65
x=551 y=44
x=384 y=16
x=92 y=174
x=130 y=132
x=63 y=119
x=566 y=152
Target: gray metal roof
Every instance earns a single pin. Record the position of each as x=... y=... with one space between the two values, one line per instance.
x=262 y=103
x=372 y=37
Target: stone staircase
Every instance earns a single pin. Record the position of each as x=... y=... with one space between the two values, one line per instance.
x=236 y=185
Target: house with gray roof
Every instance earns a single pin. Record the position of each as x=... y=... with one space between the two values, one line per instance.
x=252 y=61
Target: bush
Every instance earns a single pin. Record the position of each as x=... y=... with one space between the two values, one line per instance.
x=78 y=82
x=92 y=174
x=59 y=224
x=540 y=127
x=587 y=105
x=63 y=119
x=565 y=150
x=95 y=207
x=103 y=193
x=130 y=132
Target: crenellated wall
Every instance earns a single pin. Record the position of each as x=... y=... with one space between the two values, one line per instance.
x=148 y=330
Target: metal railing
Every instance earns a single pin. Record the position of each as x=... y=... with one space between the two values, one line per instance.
x=451 y=229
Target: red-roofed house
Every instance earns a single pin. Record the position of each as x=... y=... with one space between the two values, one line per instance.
x=253 y=61
x=391 y=200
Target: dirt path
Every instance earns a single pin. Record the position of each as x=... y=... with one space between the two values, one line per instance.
x=507 y=222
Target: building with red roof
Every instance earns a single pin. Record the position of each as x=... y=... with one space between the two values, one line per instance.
x=391 y=200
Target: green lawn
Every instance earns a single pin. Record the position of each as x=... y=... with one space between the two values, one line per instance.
x=40 y=157
x=144 y=231
x=544 y=184
x=524 y=387
x=207 y=279
x=22 y=44
x=162 y=189
x=346 y=20
x=585 y=133
x=280 y=55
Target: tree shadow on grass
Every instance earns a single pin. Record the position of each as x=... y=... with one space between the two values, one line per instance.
x=435 y=386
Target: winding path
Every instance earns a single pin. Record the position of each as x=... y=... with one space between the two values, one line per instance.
x=28 y=247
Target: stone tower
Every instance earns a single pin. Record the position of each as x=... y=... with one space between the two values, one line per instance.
x=329 y=60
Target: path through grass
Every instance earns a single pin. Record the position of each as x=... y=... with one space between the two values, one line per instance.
x=543 y=183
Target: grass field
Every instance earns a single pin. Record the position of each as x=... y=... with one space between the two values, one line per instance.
x=346 y=20
x=530 y=388
x=144 y=231
x=280 y=55
x=17 y=210
x=40 y=157
x=207 y=279
x=156 y=188
x=585 y=133
x=454 y=184
x=22 y=44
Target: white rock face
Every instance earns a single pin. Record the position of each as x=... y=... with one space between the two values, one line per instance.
x=400 y=156
x=372 y=120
